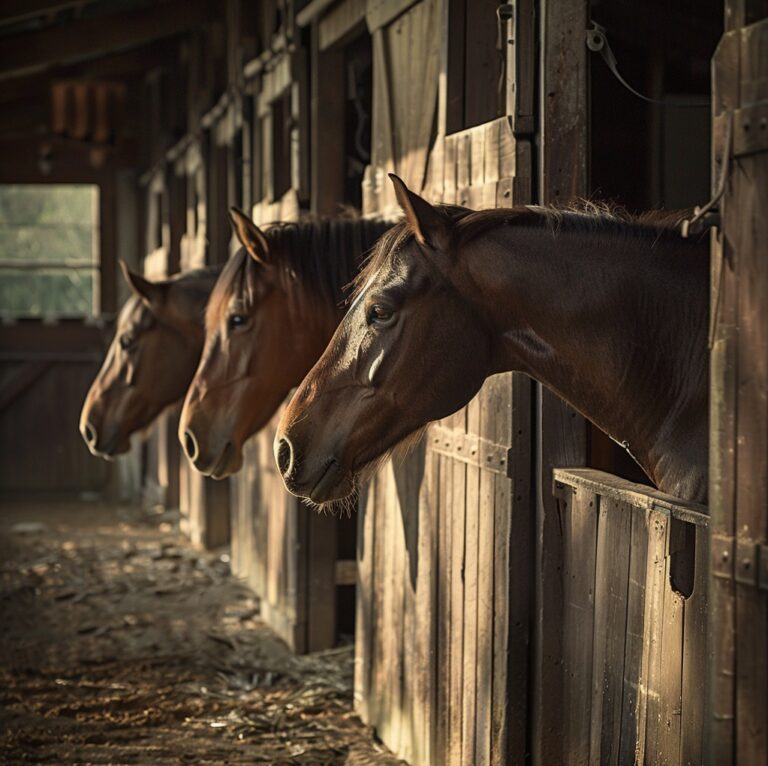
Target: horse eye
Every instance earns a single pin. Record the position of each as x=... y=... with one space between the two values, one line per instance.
x=236 y=320
x=379 y=315
x=126 y=341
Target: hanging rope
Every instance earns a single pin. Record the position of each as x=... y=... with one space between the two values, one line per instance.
x=597 y=42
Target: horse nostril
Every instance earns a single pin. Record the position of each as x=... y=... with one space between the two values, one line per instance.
x=90 y=434
x=190 y=445
x=284 y=456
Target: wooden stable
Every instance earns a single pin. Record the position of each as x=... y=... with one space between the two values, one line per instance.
x=515 y=592
x=243 y=118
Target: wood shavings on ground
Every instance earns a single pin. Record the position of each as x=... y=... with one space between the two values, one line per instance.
x=120 y=643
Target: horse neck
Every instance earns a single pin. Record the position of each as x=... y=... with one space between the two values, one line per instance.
x=616 y=325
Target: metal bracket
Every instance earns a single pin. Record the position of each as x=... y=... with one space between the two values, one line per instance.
x=470 y=449
x=697 y=223
x=744 y=561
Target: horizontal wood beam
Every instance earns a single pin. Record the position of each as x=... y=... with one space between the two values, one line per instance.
x=18 y=10
x=69 y=162
x=91 y=38
x=118 y=66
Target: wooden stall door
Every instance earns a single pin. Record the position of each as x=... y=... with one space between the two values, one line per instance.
x=285 y=551
x=45 y=372
x=634 y=579
x=445 y=541
x=738 y=617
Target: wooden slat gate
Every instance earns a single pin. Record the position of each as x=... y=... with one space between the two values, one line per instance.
x=285 y=551
x=634 y=663
x=444 y=557
x=445 y=540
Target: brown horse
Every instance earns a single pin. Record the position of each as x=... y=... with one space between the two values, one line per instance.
x=152 y=358
x=271 y=314
x=607 y=311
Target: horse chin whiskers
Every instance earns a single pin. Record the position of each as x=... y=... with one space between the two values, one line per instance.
x=344 y=506
x=397 y=453
x=347 y=505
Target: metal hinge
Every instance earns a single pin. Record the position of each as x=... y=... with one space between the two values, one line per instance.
x=744 y=561
x=470 y=449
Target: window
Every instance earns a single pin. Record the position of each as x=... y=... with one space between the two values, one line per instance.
x=475 y=64
x=49 y=250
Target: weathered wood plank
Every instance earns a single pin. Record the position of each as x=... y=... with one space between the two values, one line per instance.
x=747 y=230
x=610 y=621
x=650 y=705
x=485 y=676
x=365 y=607
x=514 y=524
x=720 y=727
x=400 y=720
x=695 y=659
x=579 y=509
x=634 y=648
x=444 y=484
x=425 y=653
x=636 y=495
x=449 y=182
x=376 y=703
x=457 y=518
x=384 y=642
x=471 y=595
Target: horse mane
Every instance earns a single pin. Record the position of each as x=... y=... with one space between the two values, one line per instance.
x=321 y=255
x=578 y=216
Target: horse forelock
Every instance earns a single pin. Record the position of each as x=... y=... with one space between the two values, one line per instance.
x=227 y=286
x=391 y=243
x=323 y=255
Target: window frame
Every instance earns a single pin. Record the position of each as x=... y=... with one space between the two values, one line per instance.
x=94 y=265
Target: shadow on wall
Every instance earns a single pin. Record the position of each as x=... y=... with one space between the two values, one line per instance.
x=409 y=476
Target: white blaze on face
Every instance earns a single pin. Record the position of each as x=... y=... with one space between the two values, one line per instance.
x=375 y=364
x=361 y=294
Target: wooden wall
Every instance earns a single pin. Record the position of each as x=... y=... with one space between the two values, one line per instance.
x=738 y=618
x=497 y=621
x=45 y=372
x=287 y=553
x=445 y=541
x=298 y=562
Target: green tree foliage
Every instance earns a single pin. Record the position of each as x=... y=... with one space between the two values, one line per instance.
x=42 y=226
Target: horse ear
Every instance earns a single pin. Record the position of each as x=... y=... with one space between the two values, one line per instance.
x=250 y=235
x=431 y=227
x=152 y=293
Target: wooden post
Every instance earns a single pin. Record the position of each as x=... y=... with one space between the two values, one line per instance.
x=562 y=432
x=108 y=246
x=738 y=628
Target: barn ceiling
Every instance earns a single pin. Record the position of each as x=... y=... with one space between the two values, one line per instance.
x=71 y=70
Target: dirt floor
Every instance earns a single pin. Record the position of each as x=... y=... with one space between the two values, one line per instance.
x=121 y=644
